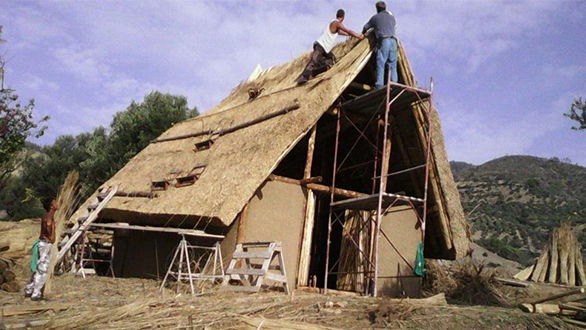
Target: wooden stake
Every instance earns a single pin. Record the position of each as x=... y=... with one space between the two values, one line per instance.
x=553 y=264
x=572 y=261
x=564 y=255
x=581 y=280
x=540 y=265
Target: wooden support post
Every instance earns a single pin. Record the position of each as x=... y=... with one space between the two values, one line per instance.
x=305 y=253
x=553 y=264
x=319 y=188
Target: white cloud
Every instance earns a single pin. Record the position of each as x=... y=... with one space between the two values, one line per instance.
x=102 y=55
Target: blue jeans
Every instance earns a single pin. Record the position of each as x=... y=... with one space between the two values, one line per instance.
x=386 y=56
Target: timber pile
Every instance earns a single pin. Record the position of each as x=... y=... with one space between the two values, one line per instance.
x=559 y=263
x=571 y=312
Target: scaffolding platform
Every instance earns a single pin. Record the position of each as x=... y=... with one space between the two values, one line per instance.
x=370 y=202
x=402 y=97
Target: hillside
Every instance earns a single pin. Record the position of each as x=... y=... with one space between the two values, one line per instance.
x=513 y=202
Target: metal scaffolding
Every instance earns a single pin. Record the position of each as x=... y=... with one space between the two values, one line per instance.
x=398 y=97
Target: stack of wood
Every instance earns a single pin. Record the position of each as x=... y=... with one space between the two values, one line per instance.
x=572 y=312
x=7 y=276
x=559 y=263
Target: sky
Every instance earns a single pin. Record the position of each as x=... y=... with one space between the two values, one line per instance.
x=503 y=71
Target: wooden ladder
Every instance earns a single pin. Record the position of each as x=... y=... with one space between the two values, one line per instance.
x=249 y=274
x=83 y=222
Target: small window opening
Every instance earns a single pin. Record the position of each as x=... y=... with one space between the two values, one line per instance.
x=159 y=185
x=186 y=181
x=191 y=178
x=203 y=145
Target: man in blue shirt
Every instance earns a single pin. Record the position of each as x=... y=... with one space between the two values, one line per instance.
x=383 y=24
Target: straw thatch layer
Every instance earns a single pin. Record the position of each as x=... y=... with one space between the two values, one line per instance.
x=239 y=162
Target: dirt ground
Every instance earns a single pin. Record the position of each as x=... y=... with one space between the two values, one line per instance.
x=108 y=303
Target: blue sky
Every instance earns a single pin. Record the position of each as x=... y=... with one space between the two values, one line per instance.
x=504 y=71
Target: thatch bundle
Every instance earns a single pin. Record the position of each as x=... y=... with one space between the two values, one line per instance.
x=560 y=262
x=66 y=199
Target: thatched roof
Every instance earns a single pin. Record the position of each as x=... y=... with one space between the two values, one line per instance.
x=240 y=161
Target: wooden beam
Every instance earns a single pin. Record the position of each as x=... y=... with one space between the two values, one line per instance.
x=512 y=282
x=558 y=296
x=318 y=188
x=315 y=179
x=180 y=231
x=306 y=239
x=360 y=86
x=240 y=238
x=220 y=132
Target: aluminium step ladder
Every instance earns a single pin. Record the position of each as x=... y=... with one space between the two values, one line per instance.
x=243 y=271
x=72 y=235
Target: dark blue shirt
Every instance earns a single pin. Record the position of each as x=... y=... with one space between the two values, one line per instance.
x=383 y=24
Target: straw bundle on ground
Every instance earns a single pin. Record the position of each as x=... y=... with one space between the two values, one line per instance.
x=560 y=262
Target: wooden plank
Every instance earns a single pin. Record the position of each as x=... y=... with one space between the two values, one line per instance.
x=180 y=231
x=561 y=295
x=252 y=255
x=512 y=282
x=525 y=273
x=276 y=277
x=540 y=264
x=235 y=271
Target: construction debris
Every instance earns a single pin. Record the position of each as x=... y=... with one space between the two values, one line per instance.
x=559 y=263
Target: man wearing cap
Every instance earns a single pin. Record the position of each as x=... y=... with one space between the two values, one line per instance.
x=383 y=24
x=322 y=58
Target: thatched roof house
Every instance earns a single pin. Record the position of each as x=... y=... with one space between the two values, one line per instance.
x=236 y=159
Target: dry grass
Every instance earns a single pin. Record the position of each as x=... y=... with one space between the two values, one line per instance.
x=468 y=282
x=66 y=199
x=106 y=303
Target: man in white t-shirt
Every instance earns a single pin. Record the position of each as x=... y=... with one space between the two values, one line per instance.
x=322 y=58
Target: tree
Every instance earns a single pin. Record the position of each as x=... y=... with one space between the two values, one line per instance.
x=101 y=153
x=16 y=126
x=577 y=113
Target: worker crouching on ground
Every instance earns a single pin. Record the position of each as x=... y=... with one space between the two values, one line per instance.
x=42 y=254
x=322 y=58
x=383 y=24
